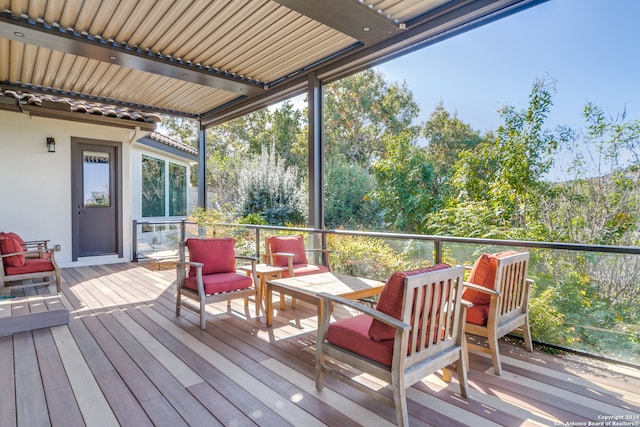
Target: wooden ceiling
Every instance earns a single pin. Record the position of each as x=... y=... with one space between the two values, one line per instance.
x=202 y=59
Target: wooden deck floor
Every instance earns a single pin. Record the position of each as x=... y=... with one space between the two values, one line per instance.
x=126 y=359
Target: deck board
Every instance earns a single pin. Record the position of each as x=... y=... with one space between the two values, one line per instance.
x=125 y=358
x=31 y=404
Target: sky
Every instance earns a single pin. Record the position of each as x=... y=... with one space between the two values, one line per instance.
x=590 y=48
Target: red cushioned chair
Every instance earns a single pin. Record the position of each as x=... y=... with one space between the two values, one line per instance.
x=32 y=248
x=499 y=290
x=289 y=251
x=416 y=329
x=29 y=267
x=212 y=276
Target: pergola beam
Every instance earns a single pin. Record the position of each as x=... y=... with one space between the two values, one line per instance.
x=111 y=52
x=454 y=18
x=352 y=18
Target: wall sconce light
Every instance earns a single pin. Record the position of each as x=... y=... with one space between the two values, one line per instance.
x=51 y=144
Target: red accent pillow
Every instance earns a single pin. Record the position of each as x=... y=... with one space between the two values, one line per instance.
x=9 y=245
x=288 y=244
x=483 y=274
x=217 y=255
x=390 y=301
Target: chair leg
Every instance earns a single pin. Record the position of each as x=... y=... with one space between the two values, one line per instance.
x=178 y=300
x=526 y=334
x=492 y=341
x=400 y=399
x=319 y=371
x=446 y=374
x=258 y=300
x=203 y=319
x=58 y=281
x=462 y=366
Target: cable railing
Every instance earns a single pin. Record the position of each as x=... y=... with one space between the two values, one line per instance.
x=584 y=299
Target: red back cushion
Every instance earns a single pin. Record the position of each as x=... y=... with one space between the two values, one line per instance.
x=217 y=255
x=288 y=244
x=9 y=245
x=483 y=274
x=390 y=301
x=15 y=236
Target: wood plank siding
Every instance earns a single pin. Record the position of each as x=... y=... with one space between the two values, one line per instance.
x=125 y=359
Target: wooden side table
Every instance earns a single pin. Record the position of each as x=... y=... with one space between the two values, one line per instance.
x=264 y=272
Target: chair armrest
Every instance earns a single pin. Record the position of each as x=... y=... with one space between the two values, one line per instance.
x=190 y=264
x=37 y=243
x=247 y=258
x=481 y=289
x=378 y=315
x=327 y=251
x=26 y=253
x=287 y=254
x=13 y=254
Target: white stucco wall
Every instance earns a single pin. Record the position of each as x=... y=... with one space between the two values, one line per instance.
x=35 y=185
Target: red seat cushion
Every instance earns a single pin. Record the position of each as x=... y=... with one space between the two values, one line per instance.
x=353 y=335
x=9 y=245
x=288 y=244
x=217 y=255
x=390 y=301
x=31 y=265
x=478 y=314
x=220 y=282
x=483 y=274
x=305 y=270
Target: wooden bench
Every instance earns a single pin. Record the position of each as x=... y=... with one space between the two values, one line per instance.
x=34 y=310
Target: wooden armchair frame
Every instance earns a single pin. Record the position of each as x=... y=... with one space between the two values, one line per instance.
x=201 y=297
x=269 y=256
x=508 y=308
x=34 y=277
x=439 y=343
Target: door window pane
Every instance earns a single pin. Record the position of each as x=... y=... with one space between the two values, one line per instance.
x=96 y=179
x=177 y=190
x=153 y=197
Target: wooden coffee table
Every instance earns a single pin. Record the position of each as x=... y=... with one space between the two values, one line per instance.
x=307 y=288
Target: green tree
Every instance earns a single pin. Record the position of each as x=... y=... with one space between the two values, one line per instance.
x=347 y=201
x=181 y=129
x=446 y=137
x=402 y=178
x=245 y=135
x=599 y=205
x=525 y=152
x=361 y=111
x=507 y=170
x=287 y=128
